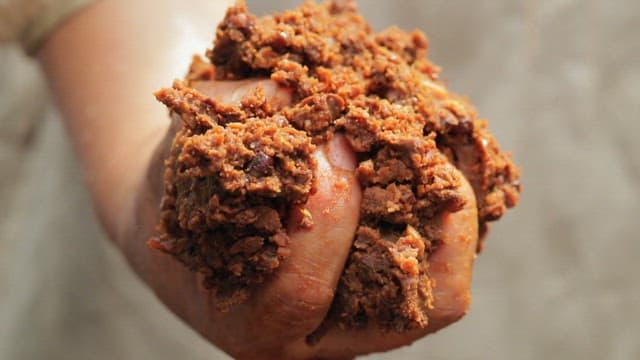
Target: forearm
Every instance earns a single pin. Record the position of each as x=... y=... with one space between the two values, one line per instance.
x=103 y=66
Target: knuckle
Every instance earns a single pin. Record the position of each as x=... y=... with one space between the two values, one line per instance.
x=457 y=307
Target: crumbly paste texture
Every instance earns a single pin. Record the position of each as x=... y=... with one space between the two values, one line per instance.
x=236 y=172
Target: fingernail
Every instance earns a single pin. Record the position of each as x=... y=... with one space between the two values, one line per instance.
x=340 y=154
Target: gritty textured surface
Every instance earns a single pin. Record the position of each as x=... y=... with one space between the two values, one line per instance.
x=231 y=178
x=531 y=66
x=235 y=171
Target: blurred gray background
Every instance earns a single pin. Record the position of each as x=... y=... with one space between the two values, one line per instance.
x=559 y=277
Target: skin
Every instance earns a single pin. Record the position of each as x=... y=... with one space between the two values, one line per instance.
x=103 y=65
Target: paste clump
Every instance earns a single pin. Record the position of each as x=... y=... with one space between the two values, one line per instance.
x=236 y=172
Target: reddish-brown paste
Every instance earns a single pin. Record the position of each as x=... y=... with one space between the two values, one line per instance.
x=235 y=172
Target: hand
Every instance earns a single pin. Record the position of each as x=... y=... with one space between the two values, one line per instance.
x=274 y=321
x=115 y=129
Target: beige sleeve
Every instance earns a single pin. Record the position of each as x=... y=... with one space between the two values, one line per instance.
x=30 y=22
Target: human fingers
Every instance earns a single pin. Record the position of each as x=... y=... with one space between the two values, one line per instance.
x=450 y=267
x=296 y=300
